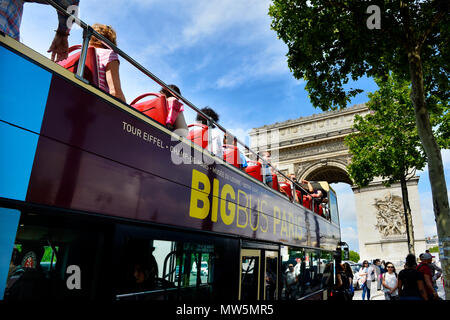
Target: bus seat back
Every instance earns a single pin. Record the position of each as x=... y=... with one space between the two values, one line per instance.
x=275 y=184
x=307 y=202
x=287 y=189
x=254 y=169
x=199 y=134
x=231 y=155
x=90 y=69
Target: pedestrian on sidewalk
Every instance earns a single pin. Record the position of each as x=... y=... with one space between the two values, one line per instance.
x=390 y=282
x=348 y=271
x=410 y=281
x=425 y=269
x=367 y=275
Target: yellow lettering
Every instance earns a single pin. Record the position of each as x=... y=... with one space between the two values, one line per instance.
x=215 y=201
x=199 y=195
x=227 y=218
x=300 y=229
x=264 y=216
x=291 y=225
x=251 y=214
x=242 y=194
x=276 y=220
x=284 y=228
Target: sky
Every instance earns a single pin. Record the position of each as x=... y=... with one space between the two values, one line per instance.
x=220 y=53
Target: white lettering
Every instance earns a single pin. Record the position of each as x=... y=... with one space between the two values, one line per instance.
x=74 y=280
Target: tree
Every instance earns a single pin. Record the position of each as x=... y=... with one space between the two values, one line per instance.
x=353 y=256
x=330 y=41
x=386 y=143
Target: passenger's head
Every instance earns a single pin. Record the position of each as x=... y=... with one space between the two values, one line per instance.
x=105 y=31
x=229 y=139
x=167 y=93
x=141 y=272
x=365 y=264
x=291 y=267
x=210 y=113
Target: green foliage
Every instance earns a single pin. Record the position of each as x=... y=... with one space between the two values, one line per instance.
x=329 y=43
x=434 y=249
x=353 y=256
x=386 y=143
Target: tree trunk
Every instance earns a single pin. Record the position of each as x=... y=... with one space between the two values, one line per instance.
x=435 y=166
x=408 y=216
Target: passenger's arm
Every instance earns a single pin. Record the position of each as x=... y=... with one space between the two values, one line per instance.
x=113 y=80
x=181 y=126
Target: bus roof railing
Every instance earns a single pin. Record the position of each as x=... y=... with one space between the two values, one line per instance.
x=88 y=32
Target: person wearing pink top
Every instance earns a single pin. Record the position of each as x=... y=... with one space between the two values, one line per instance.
x=107 y=62
x=175 y=118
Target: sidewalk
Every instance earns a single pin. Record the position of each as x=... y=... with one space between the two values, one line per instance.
x=379 y=295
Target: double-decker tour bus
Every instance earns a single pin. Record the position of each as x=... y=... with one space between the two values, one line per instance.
x=98 y=200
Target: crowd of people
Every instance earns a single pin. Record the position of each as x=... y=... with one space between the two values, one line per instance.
x=416 y=281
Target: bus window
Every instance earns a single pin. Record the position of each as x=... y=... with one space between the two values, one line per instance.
x=333 y=207
x=310 y=272
x=326 y=269
x=54 y=260
x=9 y=221
x=164 y=270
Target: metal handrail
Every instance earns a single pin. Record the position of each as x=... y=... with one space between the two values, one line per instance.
x=88 y=32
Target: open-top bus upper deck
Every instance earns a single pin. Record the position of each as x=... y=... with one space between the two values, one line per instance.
x=70 y=145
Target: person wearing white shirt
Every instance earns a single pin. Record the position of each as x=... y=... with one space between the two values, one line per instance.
x=390 y=283
x=215 y=146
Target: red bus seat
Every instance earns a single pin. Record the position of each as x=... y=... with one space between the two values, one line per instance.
x=299 y=195
x=254 y=170
x=231 y=155
x=199 y=135
x=90 y=69
x=307 y=202
x=286 y=188
x=275 y=184
x=320 y=211
x=155 y=108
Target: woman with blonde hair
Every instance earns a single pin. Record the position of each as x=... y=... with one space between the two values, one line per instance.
x=107 y=61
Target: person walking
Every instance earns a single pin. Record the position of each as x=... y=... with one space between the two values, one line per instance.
x=390 y=282
x=348 y=271
x=410 y=281
x=365 y=280
x=425 y=269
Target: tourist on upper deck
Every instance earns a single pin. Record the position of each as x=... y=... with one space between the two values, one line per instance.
x=175 y=118
x=108 y=61
x=294 y=187
x=216 y=139
x=230 y=140
x=11 y=17
x=266 y=168
x=317 y=194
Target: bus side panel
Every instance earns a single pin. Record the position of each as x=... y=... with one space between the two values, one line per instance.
x=94 y=156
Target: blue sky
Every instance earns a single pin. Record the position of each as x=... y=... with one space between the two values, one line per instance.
x=221 y=53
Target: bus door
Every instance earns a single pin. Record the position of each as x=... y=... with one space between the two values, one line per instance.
x=271 y=275
x=249 y=275
x=258 y=275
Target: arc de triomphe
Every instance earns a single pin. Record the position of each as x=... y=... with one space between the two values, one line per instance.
x=313 y=149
